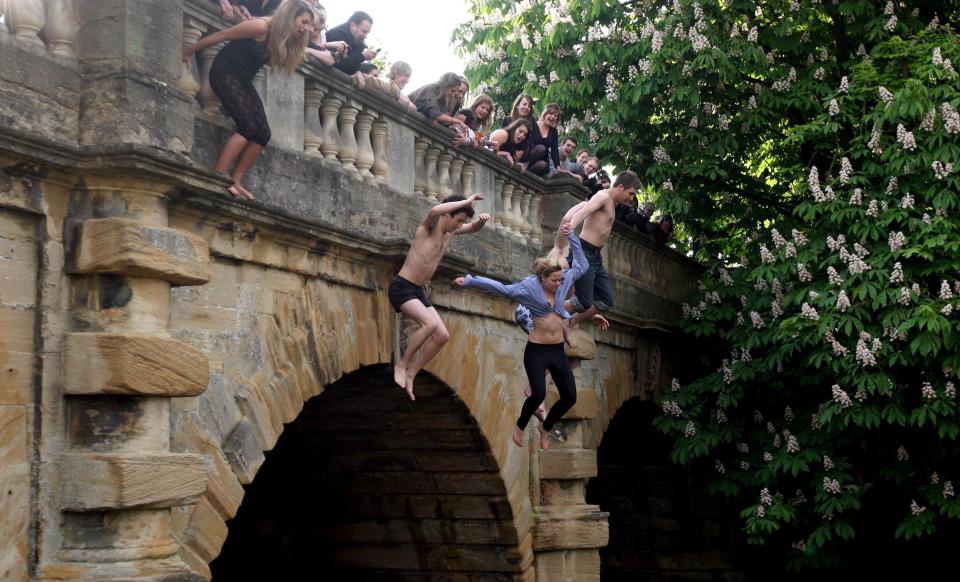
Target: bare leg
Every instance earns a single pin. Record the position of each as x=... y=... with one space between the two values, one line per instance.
x=230 y=153
x=247 y=156
x=588 y=314
x=544 y=437
x=430 y=348
x=418 y=312
x=518 y=437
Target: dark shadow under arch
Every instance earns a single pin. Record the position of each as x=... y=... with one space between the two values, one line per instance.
x=658 y=529
x=365 y=485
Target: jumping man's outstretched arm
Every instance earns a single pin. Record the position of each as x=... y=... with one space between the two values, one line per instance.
x=474 y=226
x=446 y=208
x=589 y=208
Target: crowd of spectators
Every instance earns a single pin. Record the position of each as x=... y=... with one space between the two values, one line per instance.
x=524 y=140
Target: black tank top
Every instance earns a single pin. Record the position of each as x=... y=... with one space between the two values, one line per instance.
x=243 y=58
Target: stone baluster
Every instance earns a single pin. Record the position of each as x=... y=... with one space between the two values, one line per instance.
x=260 y=83
x=312 y=130
x=192 y=31
x=508 y=216
x=208 y=99
x=443 y=174
x=329 y=133
x=614 y=253
x=378 y=137
x=365 y=155
x=430 y=170
x=498 y=212
x=526 y=220
x=61 y=29
x=469 y=174
x=456 y=167
x=26 y=19
x=348 y=137
x=536 y=219
x=419 y=171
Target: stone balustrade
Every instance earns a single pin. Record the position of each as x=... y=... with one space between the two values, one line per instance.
x=44 y=25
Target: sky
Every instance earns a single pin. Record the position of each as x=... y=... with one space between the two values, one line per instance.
x=417 y=32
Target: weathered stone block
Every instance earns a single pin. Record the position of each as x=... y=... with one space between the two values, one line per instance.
x=569 y=527
x=243 y=452
x=206 y=531
x=113 y=363
x=128 y=247
x=114 y=481
x=583 y=345
x=14 y=490
x=587 y=406
x=568 y=464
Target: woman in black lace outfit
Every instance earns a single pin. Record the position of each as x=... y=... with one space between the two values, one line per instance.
x=279 y=41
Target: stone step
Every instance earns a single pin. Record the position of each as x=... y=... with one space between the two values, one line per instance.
x=123 y=246
x=134 y=364
x=118 y=481
x=558 y=527
x=568 y=464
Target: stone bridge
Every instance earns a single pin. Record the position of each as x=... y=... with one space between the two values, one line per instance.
x=195 y=386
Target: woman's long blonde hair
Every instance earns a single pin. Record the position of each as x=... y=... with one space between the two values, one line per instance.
x=286 y=47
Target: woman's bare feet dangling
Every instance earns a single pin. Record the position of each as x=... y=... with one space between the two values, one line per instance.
x=238 y=190
x=544 y=437
x=518 y=437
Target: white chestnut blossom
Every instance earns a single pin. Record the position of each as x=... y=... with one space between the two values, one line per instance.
x=809 y=312
x=843 y=302
x=840 y=396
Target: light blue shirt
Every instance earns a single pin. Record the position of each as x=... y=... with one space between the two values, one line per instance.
x=529 y=291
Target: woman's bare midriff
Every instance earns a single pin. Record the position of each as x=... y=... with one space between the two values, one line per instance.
x=547 y=329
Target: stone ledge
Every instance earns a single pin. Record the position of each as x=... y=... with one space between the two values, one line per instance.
x=568 y=464
x=126 y=247
x=134 y=364
x=569 y=527
x=90 y=482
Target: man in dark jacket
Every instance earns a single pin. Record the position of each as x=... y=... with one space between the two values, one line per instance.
x=353 y=32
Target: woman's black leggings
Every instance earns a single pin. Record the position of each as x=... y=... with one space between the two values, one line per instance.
x=537 y=359
x=241 y=102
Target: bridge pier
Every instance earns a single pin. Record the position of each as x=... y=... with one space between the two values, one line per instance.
x=118 y=478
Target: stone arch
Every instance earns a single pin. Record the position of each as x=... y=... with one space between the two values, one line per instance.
x=366 y=485
x=659 y=528
x=302 y=338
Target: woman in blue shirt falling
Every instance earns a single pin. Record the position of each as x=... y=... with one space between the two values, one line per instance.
x=543 y=294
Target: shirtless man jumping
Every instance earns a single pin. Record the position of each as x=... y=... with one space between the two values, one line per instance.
x=406 y=290
x=593 y=292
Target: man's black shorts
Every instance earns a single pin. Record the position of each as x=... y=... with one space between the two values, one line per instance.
x=401 y=291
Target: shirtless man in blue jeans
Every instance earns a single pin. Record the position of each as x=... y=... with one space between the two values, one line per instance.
x=593 y=292
x=406 y=292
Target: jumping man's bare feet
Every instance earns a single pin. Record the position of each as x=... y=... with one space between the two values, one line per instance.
x=518 y=437
x=409 y=388
x=400 y=375
x=544 y=437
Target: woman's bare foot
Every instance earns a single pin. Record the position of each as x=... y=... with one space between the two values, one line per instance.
x=400 y=375
x=544 y=437
x=240 y=192
x=541 y=412
x=409 y=388
x=518 y=437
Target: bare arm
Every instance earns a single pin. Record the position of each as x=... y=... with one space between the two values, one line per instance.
x=446 y=208
x=474 y=226
x=250 y=29
x=592 y=205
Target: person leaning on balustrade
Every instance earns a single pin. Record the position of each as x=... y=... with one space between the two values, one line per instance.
x=280 y=41
x=389 y=87
x=522 y=109
x=354 y=33
x=440 y=101
x=511 y=142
